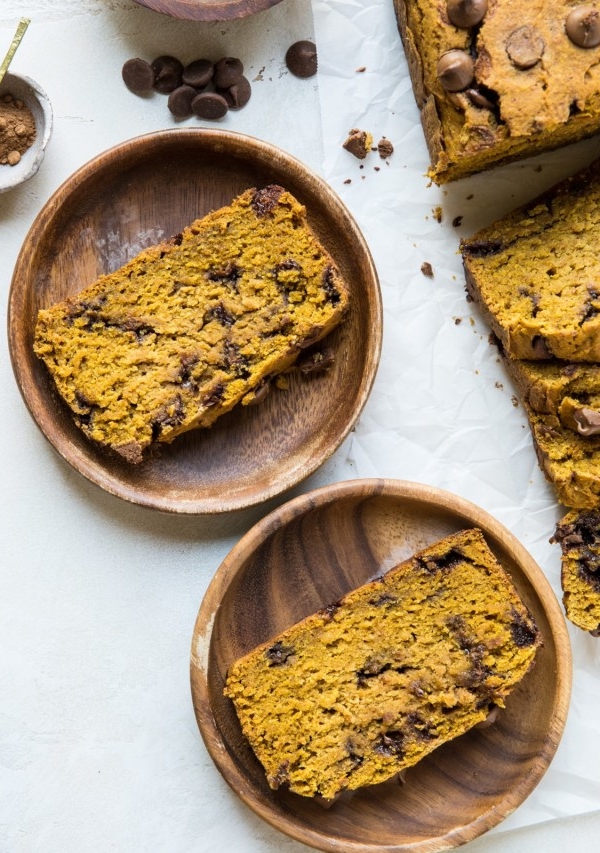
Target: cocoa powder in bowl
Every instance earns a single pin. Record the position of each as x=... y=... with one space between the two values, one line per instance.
x=17 y=129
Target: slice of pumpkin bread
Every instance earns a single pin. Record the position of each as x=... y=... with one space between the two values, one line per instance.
x=535 y=273
x=578 y=534
x=567 y=390
x=191 y=327
x=357 y=692
x=560 y=402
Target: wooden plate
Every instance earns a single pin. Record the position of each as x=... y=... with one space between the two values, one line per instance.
x=208 y=10
x=307 y=554
x=134 y=195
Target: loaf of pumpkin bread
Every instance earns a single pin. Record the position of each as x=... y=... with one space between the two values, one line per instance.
x=495 y=82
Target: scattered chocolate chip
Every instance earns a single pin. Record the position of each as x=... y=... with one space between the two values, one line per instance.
x=167 y=73
x=466 y=13
x=427 y=269
x=138 y=76
x=180 y=101
x=301 y=59
x=358 y=143
x=385 y=148
x=525 y=47
x=238 y=95
x=228 y=71
x=455 y=70
x=457 y=221
x=198 y=73
x=583 y=26
x=209 y=105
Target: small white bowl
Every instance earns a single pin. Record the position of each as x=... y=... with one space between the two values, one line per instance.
x=36 y=99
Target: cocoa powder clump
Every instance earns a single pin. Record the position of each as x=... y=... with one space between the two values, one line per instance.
x=17 y=130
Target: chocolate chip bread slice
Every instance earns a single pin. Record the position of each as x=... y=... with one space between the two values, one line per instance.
x=569 y=391
x=578 y=534
x=535 y=273
x=357 y=692
x=560 y=401
x=190 y=328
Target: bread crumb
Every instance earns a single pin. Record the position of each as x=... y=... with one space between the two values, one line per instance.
x=385 y=148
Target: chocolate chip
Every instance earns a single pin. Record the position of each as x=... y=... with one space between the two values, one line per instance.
x=301 y=59
x=278 y=654
x=490 y=719
x=180 y=101
x=455 y=70
x=390 y=743
x=583 y=26
x=525 y=47
x=479 y=100
x=540 y=348
x=482 y=248
x=138 y=76
x=266 y=200
x=587 y=420
x=427 y=269
x=238 y=95
x=198 y=73
x=523 y=633
x=258 y=394
x=445 y=561
x=228 y=71
x=209 y=105
x=167 y=71
x=466 y=13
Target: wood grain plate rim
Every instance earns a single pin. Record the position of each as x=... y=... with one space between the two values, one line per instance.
x=99 y=471
x=432 y=500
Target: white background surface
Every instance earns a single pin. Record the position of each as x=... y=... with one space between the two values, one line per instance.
x=99 y=749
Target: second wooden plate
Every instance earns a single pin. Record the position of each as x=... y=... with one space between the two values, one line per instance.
x=307 y=554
